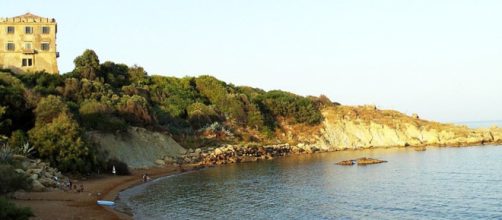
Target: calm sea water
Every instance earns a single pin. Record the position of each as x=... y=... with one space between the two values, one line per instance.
x=481 y=124
x=440 y=183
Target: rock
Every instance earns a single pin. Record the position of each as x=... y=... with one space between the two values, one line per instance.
x=420 y=148
x=20 y=171
x=360 y=161
x=346 y=163
x=35 y=171
x=169 y=160
x=218 y=151
x=34 y=176
x=368 y=161
x=37 y=186
x=47 y=182
x=160 y=162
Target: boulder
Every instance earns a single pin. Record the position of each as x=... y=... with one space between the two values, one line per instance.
x=47 y=182
x=37 y=186
x=218 y=151
x=160 y=162
x=20 y=171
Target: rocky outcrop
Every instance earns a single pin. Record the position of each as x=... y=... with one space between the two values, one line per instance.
x=239 y=154
x=353 y=128
x=137 y=147
x=42 y=175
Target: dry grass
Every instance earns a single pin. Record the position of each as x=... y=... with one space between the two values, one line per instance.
x=390 y=118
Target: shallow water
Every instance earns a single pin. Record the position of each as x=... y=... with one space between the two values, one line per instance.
x=440 y=183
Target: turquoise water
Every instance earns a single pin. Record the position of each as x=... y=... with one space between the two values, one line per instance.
x=440 y=183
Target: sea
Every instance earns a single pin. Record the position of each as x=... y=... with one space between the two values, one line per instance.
x=439 y=183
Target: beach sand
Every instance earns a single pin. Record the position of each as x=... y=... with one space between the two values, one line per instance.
x=72 y=205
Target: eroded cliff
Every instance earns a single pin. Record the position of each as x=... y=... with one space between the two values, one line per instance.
x=347 y=127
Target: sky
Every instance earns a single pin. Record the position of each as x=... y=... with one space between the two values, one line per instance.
x=440 y=59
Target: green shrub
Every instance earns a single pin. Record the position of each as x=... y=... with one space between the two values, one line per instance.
x=298 y=108
x=9 y=211
x=62 y=143
x=11 y=180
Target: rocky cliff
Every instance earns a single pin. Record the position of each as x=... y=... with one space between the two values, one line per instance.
x=138 y=147
x=348 y=127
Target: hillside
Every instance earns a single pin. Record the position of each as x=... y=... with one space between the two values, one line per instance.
x=99 y=113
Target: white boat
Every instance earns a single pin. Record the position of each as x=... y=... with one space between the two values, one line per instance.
x=105 y=203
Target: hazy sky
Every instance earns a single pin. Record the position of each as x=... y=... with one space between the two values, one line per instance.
x=440 y=59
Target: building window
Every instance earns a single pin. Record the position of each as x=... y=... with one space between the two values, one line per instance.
x=28 y=30
x=10 y=29
x=46 y=30
x=27 y=62
x=27 y=45
x=11 y=46
x=45 y=46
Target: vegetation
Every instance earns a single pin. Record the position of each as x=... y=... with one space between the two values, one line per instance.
x=12 y=180
x=51 y=113
x=9 y=211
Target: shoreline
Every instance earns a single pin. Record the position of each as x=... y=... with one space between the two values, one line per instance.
x=71 y=205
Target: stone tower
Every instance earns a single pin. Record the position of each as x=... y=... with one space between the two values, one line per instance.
x=28 y=44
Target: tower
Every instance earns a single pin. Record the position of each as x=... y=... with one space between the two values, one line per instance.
x=28 y=44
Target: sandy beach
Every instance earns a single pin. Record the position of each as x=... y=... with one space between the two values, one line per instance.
x=73 y=205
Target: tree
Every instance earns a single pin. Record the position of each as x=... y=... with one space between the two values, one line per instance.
x=117 y=75
x=135 y=109
x=137 y=75
x=49 y=108
x=61 y=142
x=87 y=65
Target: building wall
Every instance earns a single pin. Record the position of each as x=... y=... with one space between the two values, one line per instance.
x=42 y=60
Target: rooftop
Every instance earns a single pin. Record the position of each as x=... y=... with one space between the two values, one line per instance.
x=28 y=18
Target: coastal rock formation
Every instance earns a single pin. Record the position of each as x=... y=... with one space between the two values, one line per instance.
x=240 y=154
x=42 y=175
x=357 y=127
x=361 y=161
x=138 y=147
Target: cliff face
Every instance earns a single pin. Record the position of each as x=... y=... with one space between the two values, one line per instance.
x=363 y=127
x=138 y=147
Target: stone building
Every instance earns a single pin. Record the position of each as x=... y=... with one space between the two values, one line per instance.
x=28 y=44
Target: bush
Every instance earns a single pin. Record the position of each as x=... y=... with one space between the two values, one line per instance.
x=12 y=180
x=61 y=143
x=135 y=109
x=9 y=211
x=121 y=168
x=298 y=108
x=200 y=115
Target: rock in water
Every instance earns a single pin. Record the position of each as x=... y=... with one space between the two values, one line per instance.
x=360 y=161
x=346 y=163
x=420 y=148
x=368 y=161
